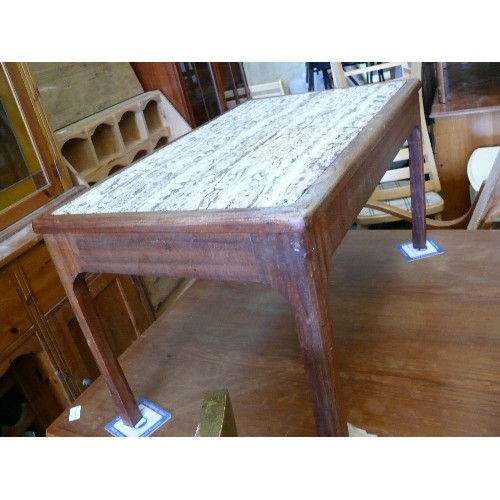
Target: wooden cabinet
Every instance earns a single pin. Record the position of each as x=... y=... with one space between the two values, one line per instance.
x=200 y=91
x=43 y=352
x=121 y=305
x=469 y=119
x=35 y=166
x=35 y=305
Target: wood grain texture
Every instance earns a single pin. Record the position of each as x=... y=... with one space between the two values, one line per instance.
x=469 y=119
x=74 y=90
x=417 y=347
x=470 y=87
x=456 y=137
x=167 y=78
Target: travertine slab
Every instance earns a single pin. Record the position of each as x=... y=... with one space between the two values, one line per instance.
x=244 y=159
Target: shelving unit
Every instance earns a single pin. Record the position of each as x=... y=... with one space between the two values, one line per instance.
x=105 y=142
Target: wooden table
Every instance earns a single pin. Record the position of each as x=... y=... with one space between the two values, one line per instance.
x=417 y=347
x=264 y=193
x=469 y=119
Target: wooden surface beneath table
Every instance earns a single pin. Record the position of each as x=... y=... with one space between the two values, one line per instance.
x=417 y=346
x=469 y=119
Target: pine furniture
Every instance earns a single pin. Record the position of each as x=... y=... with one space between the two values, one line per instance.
x=42 y=350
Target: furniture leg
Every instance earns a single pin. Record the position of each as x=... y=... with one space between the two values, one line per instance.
x=293 y=265
x=310 y=77
x=417 y=189
x=79 y=296
x=108 y=365
x=442 y=81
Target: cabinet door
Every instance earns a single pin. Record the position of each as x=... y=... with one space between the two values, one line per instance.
x=35 y=376
x=14 y=319
x=44 y=283
x=31 y=164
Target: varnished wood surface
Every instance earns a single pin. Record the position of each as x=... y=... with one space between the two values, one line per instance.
x=166 y=77
x=417 y=346
x=33 y=133
x=469 y=119
x=470 y=88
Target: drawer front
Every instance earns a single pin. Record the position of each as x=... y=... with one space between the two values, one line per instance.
x=42 y=277
x=14 y=318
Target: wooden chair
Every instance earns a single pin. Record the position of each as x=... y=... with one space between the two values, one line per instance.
x=487 y=203
x=257 y=91
x=344 y=74
x=482 y=214
x=268 y=89
x=313 y=68
x=393 y=191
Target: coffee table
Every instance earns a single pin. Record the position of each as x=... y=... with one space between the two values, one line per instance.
x=263 y=193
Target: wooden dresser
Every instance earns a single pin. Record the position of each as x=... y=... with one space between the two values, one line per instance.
x=469 y=119
x=43 y=353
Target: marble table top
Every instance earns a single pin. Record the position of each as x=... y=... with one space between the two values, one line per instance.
x=264 y=153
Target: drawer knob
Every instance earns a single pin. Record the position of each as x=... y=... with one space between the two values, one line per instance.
x=86 y=382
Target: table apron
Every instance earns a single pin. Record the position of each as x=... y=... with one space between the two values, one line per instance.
x=185 y=255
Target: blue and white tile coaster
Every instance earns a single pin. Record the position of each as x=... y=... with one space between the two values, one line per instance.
x=410 y=253
x=153 y=417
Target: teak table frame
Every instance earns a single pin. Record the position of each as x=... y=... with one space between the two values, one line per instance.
x=287 y=248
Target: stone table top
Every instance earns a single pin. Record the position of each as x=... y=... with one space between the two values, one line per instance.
x=264 y=153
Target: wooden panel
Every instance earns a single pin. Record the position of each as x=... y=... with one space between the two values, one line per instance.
x=165 y=77
x=469 y=87
x=40 y=385
x=469 y=119
x=74 y=90
x=418 y=356
x=14 y=319
x=80 y=366
x=42 y=276
x=123 y=313
x=456 y=137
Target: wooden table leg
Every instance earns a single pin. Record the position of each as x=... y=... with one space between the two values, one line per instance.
x=417 y=189
x=292 y=265
x=80 y=299
x=109 y=366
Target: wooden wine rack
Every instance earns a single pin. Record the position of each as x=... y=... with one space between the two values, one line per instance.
x=105 y=142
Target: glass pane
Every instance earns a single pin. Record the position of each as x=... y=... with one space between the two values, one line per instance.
x=20 y=174
x=13 y=167
x=201 y=91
